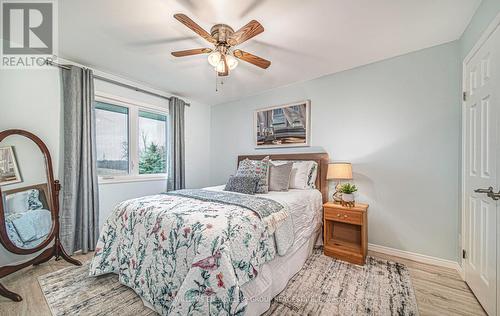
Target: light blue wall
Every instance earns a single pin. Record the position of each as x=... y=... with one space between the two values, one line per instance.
x=397 y=121
x=485 y=13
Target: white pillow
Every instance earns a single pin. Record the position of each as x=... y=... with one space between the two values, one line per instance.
x=304 y=173
x=17 y=202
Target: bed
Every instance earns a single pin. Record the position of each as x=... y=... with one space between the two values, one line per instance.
x=197 y=252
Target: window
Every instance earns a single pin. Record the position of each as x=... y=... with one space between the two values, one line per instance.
x=112 y=139
x=131 y=140
x=152 y=143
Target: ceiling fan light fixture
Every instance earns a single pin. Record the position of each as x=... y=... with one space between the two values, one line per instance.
x=220 y=67
x=231 y=62
x=223 y=57
x=214 y=58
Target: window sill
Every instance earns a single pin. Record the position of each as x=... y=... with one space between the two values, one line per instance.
x=127 y=179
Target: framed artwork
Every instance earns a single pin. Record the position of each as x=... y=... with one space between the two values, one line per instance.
x=286 y=125
x=9 y=172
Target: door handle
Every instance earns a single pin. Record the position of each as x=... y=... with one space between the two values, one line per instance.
x=490 y=193
x=487 y=191
x=494 y=196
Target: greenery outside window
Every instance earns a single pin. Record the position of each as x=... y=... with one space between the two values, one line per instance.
x=152 y=143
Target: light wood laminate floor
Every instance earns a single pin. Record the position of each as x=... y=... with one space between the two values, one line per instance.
x=439 y=291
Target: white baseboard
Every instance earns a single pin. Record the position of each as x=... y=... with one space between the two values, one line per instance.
x=417 y=257
x=461 y=271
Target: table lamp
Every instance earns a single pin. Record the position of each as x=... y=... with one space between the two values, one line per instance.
x=339 y=171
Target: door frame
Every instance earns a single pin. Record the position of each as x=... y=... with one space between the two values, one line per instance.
x=495 y=23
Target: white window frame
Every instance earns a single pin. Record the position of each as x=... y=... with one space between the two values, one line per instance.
x=133 y=107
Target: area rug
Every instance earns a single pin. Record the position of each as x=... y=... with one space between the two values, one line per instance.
x=324 y=286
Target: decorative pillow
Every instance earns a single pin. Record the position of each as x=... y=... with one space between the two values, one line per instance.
x=279 y=176
x=304 y=173
x=311 y=178
x=34 y=200
x=257 y=168
x=16 y=202
x=242 y=184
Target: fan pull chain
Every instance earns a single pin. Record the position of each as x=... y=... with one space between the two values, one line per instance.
x=216 y=81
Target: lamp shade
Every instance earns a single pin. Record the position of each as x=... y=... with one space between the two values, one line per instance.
x=339 y=171
x=214 y=58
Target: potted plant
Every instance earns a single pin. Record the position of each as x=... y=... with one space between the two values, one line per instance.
x=347 y=191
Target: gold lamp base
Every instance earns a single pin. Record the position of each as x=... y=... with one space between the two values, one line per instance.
x=337 y=196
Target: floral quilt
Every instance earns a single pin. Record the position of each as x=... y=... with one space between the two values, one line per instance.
x=185 y=256
x=274 y=214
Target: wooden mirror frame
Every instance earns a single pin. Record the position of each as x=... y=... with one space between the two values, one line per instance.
x=52 y=199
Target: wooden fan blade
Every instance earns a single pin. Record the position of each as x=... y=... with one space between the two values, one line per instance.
x=226 y=67
x=248 y=31
x=184 y=19
x=250 y=58
x=190 y=52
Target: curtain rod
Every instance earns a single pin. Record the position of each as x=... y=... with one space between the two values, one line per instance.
x=51 y=63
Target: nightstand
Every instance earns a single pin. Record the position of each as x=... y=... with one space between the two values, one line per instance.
x=345 y=232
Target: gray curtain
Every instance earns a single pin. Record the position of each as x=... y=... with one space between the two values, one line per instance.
x=80 y=201
x=175 y=170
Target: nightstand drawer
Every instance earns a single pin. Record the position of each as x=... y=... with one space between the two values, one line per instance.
x=345 y=216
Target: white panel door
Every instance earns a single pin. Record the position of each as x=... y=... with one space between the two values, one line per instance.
x=481 y=171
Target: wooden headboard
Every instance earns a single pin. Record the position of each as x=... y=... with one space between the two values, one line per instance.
x=320 y=158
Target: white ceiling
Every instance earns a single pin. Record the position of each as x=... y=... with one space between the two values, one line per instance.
x=303 y=39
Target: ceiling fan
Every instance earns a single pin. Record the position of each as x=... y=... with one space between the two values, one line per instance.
x=224 y=38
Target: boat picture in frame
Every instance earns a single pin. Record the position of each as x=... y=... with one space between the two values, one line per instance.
x=286 y=125
x=9 y=171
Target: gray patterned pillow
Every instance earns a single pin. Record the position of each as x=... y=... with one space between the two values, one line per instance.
x=242 y=184
x=311 y=178
x=34 y=200
x=258 y=168
x=279 y=176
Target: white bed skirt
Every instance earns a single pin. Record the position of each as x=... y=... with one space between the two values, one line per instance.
x=275 y=274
